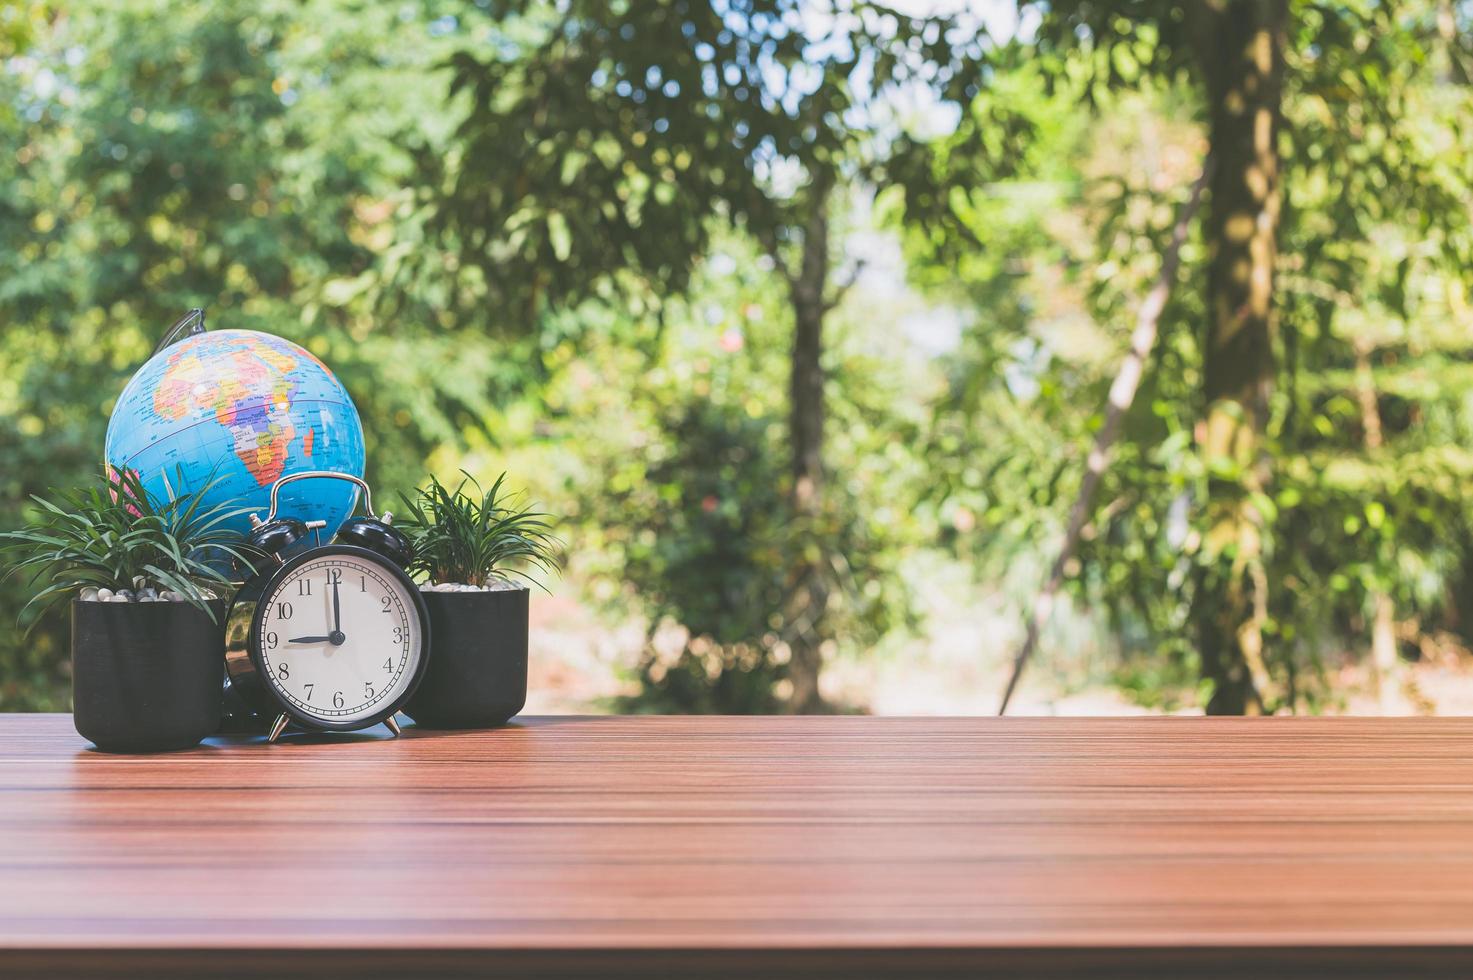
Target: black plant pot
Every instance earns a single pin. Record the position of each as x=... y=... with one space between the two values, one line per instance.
x=146 y=676
x=477 y=674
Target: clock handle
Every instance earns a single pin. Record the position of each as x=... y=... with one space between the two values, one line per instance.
x=323 y=475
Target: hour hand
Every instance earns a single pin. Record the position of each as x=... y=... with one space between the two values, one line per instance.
x=309 y=639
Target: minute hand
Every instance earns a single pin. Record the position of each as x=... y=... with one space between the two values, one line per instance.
x=309 y=639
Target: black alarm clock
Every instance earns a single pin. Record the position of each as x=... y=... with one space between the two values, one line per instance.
x=328 y=637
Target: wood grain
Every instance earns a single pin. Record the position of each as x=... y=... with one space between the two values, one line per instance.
x=817 y=845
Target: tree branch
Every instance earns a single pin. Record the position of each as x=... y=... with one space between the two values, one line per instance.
x=1122 y=394
x=843 y=288
x=767 y=238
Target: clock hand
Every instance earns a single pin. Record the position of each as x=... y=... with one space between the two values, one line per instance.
x=336 y=636
x=309 y=639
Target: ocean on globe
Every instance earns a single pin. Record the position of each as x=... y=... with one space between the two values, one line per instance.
x=243 y=409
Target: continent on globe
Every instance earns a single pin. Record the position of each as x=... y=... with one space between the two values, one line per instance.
x=242 y=409
x=253 y=400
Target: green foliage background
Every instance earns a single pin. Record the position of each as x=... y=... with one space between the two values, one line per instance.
x=501 y=272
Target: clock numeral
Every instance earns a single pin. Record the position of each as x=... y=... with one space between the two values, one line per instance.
x=389 y=665
x=271 y=640
x=334 y=576
x=283 y=670
x=363 y=583
x=399 y=634
x=337 y=699
x=367 y=689
x=304 y=586
x=388 y=601
x=309 y=690
x=284 y=610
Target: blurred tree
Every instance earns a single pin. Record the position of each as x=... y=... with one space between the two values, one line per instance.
x=171 y=155
x=1233 y=50
x=20 y=20
x=683 y=500
x=1225 y=533
x=602 y=140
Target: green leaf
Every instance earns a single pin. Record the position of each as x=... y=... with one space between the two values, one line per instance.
x=558 y=235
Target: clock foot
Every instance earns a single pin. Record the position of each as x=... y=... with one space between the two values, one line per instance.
x=277 y=727
x=392 y=725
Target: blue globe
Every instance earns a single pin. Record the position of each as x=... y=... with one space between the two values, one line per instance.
x=243 y=409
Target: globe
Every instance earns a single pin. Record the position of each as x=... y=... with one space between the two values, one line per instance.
x=227 y=413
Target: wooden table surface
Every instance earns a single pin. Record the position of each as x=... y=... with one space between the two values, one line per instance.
x=731 y=846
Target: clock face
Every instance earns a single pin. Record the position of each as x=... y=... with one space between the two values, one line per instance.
x=340 y=638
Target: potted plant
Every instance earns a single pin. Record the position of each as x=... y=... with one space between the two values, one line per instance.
x=146 y=580
x=473 y=545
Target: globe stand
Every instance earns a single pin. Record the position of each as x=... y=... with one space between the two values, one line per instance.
x=187 y=325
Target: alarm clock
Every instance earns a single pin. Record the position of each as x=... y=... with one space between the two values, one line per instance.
x=327 y=637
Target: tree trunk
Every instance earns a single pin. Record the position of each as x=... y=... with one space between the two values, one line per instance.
x=1241 y=50
x=1122 y=396
x=806 y=382
x=810 y=597
x=1385 y=664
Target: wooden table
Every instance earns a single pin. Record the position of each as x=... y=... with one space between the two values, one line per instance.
x=739 y=846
